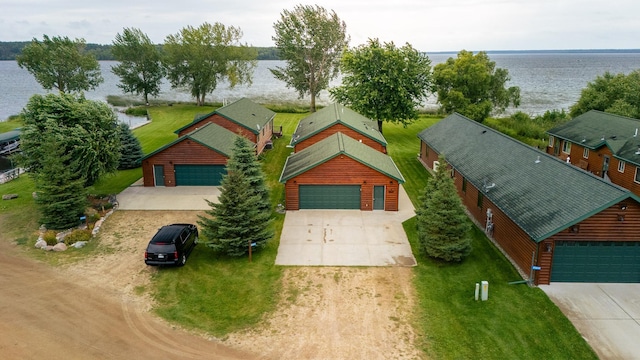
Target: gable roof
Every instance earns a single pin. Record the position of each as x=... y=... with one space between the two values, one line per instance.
x=211 y=135
x=540 y=193
x=243 y=112
x=595 y=129
x=336 y=145
x=336 y=114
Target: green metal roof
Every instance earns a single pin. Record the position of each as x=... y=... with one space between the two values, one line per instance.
x=595 y=129
x=210 y=135
x=540 y=193
x=10 y=135
x=333 y=146
x=243 y=112
x=336 y=114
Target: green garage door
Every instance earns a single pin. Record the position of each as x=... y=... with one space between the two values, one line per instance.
x=596 y=261
x=330 y=197
x=199 y=175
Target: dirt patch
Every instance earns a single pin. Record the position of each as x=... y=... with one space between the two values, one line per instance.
x=324 y=312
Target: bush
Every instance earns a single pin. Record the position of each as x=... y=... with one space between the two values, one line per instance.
x=50 y=237
x=77 y=235
x=137 y=111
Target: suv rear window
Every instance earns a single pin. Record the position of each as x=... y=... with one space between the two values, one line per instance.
x=167 y=234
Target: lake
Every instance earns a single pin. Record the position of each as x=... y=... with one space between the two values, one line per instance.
x=547 y=81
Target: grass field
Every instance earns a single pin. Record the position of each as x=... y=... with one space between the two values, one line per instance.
x=224 y=295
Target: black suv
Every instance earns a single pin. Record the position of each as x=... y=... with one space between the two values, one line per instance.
x=171 y=245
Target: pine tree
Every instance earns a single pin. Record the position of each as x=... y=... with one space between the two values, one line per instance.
x=61 y=196
x=442 y=223
x=235 y=223
x=244 y=159
x=130 y=148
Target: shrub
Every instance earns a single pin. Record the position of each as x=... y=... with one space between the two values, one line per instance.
x=50 y=237
x=137 y=111
x=77 y=235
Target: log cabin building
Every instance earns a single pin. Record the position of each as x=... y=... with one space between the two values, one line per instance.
x=551 y=219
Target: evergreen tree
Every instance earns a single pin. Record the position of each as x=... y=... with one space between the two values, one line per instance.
x=244 y=159
x=130 y=148
x=236 y=222
x=442 y=223
x=61 y=194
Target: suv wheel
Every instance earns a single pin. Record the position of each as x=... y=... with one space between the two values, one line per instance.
x=183 y=260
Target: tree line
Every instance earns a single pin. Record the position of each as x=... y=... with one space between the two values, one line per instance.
x=9 y=50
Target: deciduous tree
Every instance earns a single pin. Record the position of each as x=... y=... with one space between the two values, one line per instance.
x=61 y=63
x=199 y=58
x=616 y=94
x=140 y=69
x=86 y=129
x=443 y=225
x=311 y=40
x=472 y=86
x=383 y=82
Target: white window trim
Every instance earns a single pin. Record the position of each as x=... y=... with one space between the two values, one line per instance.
x=585 y=153
x=551 y=141
x=635 y=178
x=621 y=166
x=566 y=144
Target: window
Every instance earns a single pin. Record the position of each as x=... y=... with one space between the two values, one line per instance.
x=453 y=172
x=551 y=141
x=480 y=198
x=585 y=153
x=566 y=147
x=464 y=185
x=637 y=178
x=621 y=166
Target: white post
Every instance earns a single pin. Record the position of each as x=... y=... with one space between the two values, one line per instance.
x=477 y=291
x=485 y=290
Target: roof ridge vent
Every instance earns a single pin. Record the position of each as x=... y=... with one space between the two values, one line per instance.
x=638 y=151
x=537 y=160
x=636 y=133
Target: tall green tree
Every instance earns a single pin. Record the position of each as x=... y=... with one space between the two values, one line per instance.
x=616 y=94
x=61 y=63
x=130 y=148
x=199 y=58
x=311 y=40
x=472 y=86
x=140 y=69
x=245 y=160
x=443 y=226
x=61 y=196
x=87 y=129
x=383 y=82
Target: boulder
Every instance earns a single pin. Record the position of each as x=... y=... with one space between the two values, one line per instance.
x=59 y=247
x=41 y=244
x=79 y=244
x=9 y=196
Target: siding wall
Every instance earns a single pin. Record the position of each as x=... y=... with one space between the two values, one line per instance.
x=260 y=139
x=343 y=170
x=594 y=163
x=185 y=152
x=343 y=129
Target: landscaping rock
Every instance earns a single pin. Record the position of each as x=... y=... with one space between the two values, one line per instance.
x=9 y=196
x=79 y=244
x=59 y=247
x=48 y=248
x=41 y=244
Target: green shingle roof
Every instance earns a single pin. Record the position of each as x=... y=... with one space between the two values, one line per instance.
x=10 y=135
x=243 y=112
x=540 y=193
x=210 y=135
x=333 y=146
x=595 y=129
x=336 y=114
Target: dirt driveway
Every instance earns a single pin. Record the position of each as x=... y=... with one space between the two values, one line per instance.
x=91 y=309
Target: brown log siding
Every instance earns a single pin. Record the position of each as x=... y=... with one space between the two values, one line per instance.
x=186 y=152
x=595 y=161
x=343 y=170
x=260 y=139
x=336 y=129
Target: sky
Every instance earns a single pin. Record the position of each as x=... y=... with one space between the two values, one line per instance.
x=428 y=25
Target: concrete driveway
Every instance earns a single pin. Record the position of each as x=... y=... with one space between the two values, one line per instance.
x=607 y=315
x=138 y=197
x=347 y=237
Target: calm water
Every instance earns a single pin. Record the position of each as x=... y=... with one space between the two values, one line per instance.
x=547 y=81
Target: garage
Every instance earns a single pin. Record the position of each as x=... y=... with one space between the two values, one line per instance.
x=199 y=175
x=596 y=261
x=330 y=197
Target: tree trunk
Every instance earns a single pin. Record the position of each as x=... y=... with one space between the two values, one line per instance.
x=380 y=126
x=312 y=108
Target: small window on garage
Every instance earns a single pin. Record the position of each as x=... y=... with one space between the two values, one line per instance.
x=551 y=138
x=480 y=199
x=621 y=166
x=566 y=147
x=464 y=185
x=637 y=177
x=585 y=153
